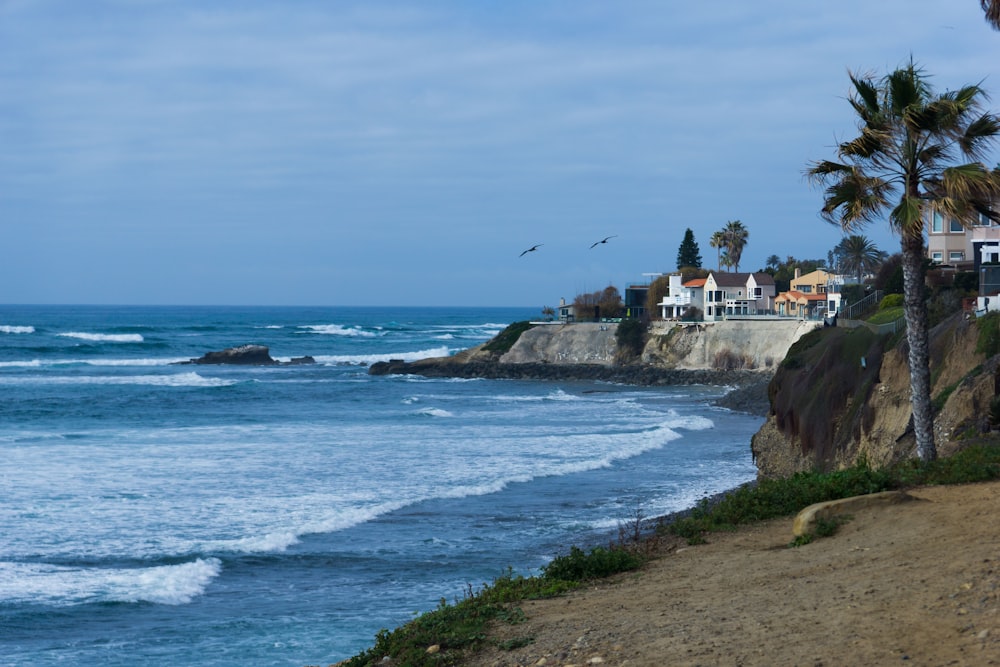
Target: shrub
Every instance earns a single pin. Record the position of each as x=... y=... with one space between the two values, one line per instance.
x=600 y=562
x=505 y=340
x=631 y=338
x=891 y=301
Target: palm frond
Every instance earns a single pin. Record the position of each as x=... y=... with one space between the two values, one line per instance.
x=992 y=9
x=907 y=217
x=979 y=136
x=866 y=95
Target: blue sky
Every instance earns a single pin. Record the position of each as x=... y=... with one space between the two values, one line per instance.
x=405 y=153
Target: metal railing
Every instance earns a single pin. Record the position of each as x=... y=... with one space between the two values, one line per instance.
x=852 y=311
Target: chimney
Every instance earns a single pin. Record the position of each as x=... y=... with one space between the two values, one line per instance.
x=798 y=273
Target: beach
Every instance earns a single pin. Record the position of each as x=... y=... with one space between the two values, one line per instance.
x=917 y=583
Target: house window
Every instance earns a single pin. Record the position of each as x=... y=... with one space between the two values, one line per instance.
x=956 y=256
x=937 y=226
x=937 y=257
x=758 y=292
x=805 y=289
x=955 y=226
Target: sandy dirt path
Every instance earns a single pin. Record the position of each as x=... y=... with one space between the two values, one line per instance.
x=916 y=583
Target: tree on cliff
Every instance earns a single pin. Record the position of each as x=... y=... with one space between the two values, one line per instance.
x=596 y=305
x=903 y=163
x=859 y=255
x=734 y=239
x=718 y=241
x=688 y=254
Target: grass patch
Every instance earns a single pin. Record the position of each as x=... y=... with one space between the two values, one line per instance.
x=773 y=498
x=886 y=316
x=460 y=628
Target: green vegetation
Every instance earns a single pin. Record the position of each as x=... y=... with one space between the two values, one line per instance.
x=506 y=338
x=688 y=254
x=988 y=342
x=631 y=338
x=775 y=498
x=891 y=301
x=462 y=627
x=887 y=315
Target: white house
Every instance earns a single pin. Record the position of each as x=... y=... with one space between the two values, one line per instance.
x=738 y=294
x=679 y=297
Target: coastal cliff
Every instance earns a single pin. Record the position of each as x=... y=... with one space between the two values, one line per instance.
x=842 y=396
x=740 y=354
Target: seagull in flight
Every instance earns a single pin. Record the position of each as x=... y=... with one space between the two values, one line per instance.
x=604 y=241
x=531 y=249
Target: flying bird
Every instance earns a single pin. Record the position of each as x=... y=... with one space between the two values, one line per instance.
x=531 y=249
x=604 y=241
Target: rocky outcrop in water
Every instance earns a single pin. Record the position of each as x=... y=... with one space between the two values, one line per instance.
x=246 y=355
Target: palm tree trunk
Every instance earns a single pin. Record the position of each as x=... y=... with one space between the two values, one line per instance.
x=915 y=312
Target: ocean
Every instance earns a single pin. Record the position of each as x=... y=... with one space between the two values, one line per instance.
x=163 y=514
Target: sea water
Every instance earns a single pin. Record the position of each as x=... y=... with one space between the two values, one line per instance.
x=162 y=514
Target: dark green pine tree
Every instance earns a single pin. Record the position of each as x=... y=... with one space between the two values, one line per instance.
x=688 y=254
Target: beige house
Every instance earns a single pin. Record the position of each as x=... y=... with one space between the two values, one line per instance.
x=814 y=294
x=966 y=249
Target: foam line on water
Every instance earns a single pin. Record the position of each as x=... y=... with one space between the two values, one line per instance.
x=173 y=380
x=15 y=329
x=60 y=585
x=103 y=337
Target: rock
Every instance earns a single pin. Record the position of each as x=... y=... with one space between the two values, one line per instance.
x=806 y=520
x=246 y=355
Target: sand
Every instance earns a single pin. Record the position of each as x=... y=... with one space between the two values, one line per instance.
x=916 y=583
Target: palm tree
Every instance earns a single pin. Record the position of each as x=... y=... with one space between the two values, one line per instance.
x=735 y=235
x=859 y=255
x=718 y=241
x=902 y=163
x=773 y=262
x=992 y=9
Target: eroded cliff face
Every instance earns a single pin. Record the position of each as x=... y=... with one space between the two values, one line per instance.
x=748 y=344
x=828 y=410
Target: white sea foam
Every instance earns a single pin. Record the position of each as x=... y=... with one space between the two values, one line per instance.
x=178 y=380
x=374 y=358
x=34 y=363
x=64 y=586
x=14 y=329
x=435 y=412
x=338 y=330
x=103 y=338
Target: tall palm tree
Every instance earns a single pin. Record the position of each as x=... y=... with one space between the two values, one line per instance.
x=718 y=241
x=735 y=235
x=859 y=255
x=992 y=9
x=903 y=163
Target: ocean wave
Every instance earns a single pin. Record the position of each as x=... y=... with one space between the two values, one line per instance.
x=103 y=338
x=374 y=358
x=178 y=380
x=14 y=329
x=34 y=363
x=61 y=585
x=338 y=330
x=434 y=412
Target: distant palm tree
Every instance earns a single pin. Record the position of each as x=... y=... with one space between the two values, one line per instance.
x=859 y=255
x=773 y=262
x=992 y=9
x=735 y=235
x=902 y=163
x=718 y=241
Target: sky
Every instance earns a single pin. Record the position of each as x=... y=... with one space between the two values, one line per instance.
x=405 y=153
